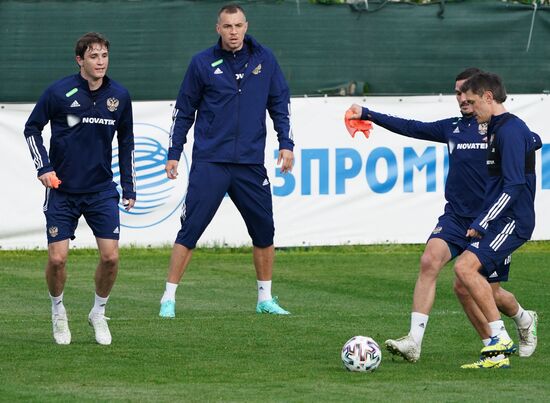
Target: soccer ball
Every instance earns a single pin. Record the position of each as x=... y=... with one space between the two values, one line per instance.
x=361 y=354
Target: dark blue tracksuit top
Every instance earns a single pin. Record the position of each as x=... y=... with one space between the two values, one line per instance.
x=511 y=184
x=231 y=112
x=467 y=146
x=83 y=124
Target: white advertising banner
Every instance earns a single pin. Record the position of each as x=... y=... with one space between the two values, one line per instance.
x=342 y=190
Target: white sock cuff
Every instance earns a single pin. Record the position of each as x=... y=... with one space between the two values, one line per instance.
x=57 y=304
x=102 y=300
x=522 y=318
x=496 y=325
x=519 y=312
x=56 y=299
x=171 y=286
x=419 y=316
x=498 y=329
x=419 y=322
x=264 y=283
x=99 y=304
x=264 y=290
x=169 y=292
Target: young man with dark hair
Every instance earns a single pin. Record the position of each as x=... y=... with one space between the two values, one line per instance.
x=229 y=87
x=84 y=110
x=507 y=219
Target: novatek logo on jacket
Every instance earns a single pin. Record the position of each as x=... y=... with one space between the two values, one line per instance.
x=99 y=121
x=73 y=120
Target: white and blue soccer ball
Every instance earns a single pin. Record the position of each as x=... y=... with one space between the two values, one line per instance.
x=361 y=354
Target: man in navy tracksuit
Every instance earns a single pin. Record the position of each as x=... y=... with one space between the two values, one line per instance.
x=229 y=86
x=464 y=192
x=507 y=219
x=84 y=111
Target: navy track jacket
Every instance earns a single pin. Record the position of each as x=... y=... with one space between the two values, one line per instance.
x=83 y=125
x=230 y=114
x=467 y=146
x=512 y=181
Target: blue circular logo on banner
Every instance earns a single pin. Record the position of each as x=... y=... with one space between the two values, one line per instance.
x=157 y=196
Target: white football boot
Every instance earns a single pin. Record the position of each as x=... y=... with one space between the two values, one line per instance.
x=405 y=347
x=61 y=332
x=528 y=337
x=99 y=322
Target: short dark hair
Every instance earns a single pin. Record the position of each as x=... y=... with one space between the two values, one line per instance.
x=231 y=9
x=469 y=72
x=87 y=40
x=482 y=82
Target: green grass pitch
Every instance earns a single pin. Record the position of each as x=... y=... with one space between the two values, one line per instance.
x=219 y=349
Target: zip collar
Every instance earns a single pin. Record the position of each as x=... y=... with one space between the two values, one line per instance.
x=254 y=48
x=83 y=83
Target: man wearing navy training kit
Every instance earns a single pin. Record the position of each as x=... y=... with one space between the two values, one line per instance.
x=464 y=192
x=84 y=110
x=507 y=219
x=229 y=87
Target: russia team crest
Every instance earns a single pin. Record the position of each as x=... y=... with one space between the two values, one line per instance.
x=112 y=104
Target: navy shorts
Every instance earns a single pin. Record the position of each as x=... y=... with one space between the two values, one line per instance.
x=496 y=247
x=248 y=187
x=452 y=229
x=100 y=209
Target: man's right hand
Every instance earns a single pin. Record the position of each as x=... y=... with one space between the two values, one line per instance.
x=354 y=112
x=49 y=180
x=171 y=169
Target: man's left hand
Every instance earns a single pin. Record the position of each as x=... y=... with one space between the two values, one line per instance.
x=472 y=233
x=287 y=157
